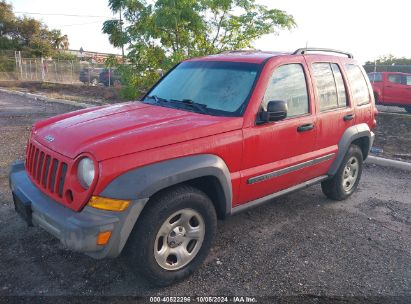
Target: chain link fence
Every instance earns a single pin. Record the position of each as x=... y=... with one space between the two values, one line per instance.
x=369 y=68
x=18 y=68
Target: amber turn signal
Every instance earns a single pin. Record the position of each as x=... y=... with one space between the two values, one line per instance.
x=110 y=204
x=103 y=237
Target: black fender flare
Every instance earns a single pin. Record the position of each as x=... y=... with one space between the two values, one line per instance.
x=350 y=135
x=145 y=181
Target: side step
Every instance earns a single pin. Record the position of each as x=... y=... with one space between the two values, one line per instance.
x=267 y=198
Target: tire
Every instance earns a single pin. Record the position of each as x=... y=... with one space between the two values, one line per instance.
x=94 y=82
x=346 y=180
x=377 y=101
x=408 y=109
x=160 y=232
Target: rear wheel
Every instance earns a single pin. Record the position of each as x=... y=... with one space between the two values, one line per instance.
x=377 y=101
x=346 y=180
x=173 y=236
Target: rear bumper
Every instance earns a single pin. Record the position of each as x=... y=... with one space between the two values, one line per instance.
x=76 y=230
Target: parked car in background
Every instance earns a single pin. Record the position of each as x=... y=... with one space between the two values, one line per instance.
x=214 y=137
x=90 y=75
x=110 y=77
x=392 y=89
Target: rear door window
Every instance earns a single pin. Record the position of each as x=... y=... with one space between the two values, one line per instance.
x=358 y=85
x=330 y=86
x=339 y=82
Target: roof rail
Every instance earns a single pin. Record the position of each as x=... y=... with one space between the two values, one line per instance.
x=305 y=50
x=239 y=51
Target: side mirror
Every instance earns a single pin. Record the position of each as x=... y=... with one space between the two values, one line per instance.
x=276 y=110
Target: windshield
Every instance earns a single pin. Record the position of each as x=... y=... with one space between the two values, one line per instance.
x=220 y=88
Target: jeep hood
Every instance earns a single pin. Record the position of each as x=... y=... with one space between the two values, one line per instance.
x=116 y=130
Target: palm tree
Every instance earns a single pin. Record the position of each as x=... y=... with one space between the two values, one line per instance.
x=59 y=42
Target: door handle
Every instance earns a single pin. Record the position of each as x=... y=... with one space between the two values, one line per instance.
x=349 y=117
x=306 y=127
x=388 y=86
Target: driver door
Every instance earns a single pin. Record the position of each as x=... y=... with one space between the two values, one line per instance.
x=275 y=154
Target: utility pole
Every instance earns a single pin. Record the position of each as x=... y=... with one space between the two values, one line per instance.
x=122 y=42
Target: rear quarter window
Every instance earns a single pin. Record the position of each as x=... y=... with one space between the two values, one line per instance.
x=358 y=84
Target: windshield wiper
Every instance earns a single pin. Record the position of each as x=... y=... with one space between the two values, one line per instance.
x=199 y=107
x=156 y=98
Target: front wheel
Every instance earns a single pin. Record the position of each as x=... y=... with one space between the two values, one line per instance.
x=94 y=82
x=346 y=180
x=408 y=109
x=173 y=236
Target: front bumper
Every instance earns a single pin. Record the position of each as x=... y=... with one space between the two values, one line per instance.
x=76 y=230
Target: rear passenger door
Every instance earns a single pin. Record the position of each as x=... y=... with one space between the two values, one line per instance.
x=393 y=88
x=407 y=90
x=334 y=113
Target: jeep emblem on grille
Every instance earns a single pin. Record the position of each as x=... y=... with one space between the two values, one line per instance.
x=49 y=138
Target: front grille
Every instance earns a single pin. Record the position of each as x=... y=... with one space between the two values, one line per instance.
x=46 y=170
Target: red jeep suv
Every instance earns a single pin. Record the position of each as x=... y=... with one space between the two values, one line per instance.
x=215 y=136
x=392 y=89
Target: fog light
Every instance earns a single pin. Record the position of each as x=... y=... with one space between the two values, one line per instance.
x=110 y=204
x=103 y=237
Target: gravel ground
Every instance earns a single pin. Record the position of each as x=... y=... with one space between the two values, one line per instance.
x=301 y=244
x=391 y=109
x=393 y=136
x=75 y=92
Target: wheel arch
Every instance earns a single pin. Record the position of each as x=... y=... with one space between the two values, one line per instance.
x=364 y=144
x=360 y=135
x=207 y=172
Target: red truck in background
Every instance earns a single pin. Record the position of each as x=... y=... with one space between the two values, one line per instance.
x=392 y=89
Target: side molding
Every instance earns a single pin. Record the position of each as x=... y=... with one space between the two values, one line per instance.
x=274 y=195
x=143 y=182
x=351 y=134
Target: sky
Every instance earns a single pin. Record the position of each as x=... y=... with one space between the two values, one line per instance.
x=368 y=29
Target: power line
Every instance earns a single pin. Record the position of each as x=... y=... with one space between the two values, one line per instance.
x=77 y=24
x=64 y=15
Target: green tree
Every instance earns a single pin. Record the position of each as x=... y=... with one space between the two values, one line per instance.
x=389 y=63
x=390 y=60
x=6 y=18
x=162 y=33
x=28 y=34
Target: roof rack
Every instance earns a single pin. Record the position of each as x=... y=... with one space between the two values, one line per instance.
x=239 y=51
x=305 y=50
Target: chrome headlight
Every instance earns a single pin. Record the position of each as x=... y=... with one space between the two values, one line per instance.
x=85 y=172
